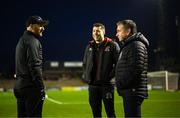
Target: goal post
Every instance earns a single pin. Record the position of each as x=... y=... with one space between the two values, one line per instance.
x=164 y=80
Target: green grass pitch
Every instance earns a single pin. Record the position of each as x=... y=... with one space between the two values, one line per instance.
x=75 y=104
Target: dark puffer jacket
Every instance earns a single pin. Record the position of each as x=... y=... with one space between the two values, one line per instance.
x=131 y=68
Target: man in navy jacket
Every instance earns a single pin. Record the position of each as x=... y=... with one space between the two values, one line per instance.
x=99 y=63
x=29 y=87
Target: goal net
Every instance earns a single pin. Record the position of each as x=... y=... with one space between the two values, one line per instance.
x=163 y=80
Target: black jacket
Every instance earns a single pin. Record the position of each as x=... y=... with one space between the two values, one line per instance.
x=107 y=61
x=131 y=68
x=29 y=62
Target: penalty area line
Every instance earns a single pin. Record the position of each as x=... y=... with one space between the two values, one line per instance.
x=54 y=101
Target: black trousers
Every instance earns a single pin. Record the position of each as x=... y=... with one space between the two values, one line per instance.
x=29 y=102
x=97 y=94
x=132 y=106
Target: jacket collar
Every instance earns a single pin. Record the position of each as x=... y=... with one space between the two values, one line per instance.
x=105 y=42
x=31 y=33
x=135 y=37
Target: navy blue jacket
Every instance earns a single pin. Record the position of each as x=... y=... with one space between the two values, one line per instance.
x=108 y=57
x=29 y=62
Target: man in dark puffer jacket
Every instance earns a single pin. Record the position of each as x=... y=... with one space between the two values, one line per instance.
x=131 y=69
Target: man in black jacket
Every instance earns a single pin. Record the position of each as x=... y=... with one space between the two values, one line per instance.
x=29 y=87
x=99 y=62
x=131 y=68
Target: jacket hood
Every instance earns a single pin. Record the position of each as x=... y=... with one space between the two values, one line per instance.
x=136 y=37
x=142 y=38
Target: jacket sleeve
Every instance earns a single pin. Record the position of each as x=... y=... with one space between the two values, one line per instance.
x=34 y=56
x=115 y=53
x=84 y=65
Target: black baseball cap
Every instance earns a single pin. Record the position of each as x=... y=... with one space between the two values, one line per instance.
x=36 y=20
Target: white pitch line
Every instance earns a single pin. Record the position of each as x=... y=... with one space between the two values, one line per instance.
x=60 y=103
x=54 y=101
x=69 y=103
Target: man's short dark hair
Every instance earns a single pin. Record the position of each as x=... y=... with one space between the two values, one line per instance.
x=99 y=25
x=128 y=24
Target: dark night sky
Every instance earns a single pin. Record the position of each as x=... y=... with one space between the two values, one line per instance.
x=70 y=24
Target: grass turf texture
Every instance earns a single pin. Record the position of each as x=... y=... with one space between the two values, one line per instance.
x=75 y=104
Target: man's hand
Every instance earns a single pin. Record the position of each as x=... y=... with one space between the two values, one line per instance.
x=43 y=94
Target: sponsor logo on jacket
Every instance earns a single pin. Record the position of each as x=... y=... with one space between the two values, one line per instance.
x=107 y=49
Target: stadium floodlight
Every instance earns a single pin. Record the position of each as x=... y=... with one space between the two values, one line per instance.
x=73 y=64
x=54 y=64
